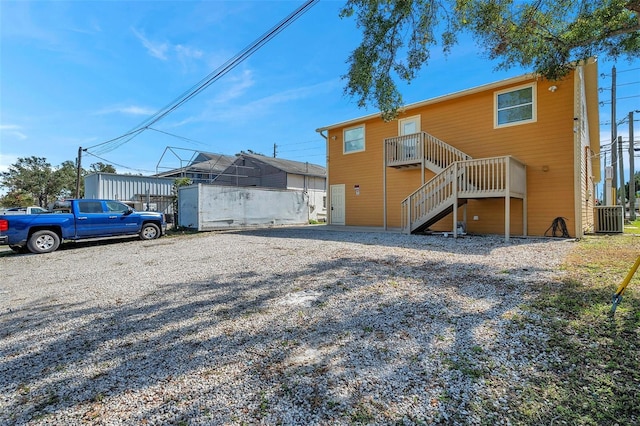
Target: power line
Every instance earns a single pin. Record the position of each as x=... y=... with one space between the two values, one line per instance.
x=119 y=165
x=178 y=136
x=209 y=79
x=302 y=143
x=618 y=72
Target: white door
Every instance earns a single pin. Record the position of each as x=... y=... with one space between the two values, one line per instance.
x=337 y=204
x=409 y=126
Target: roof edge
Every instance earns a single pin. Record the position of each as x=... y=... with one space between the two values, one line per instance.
x=454 y=95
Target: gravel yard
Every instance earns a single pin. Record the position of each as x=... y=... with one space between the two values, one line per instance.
x=294 y=326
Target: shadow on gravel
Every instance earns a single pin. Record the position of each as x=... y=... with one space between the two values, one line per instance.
x=73 y=245
x=293 y=348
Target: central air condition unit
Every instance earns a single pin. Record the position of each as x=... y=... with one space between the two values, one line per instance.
x=609 y=219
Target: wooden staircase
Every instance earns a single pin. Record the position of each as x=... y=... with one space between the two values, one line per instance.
x=458 y=178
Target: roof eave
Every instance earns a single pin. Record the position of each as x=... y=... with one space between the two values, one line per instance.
x=454 y=95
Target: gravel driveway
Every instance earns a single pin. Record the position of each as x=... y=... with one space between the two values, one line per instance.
x=304 y=326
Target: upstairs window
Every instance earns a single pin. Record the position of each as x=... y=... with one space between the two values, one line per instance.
x=515 y=106
x=354 y=140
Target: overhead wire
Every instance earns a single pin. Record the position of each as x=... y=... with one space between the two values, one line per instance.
x=229 y=65
x=177 y=136
x=119 y=165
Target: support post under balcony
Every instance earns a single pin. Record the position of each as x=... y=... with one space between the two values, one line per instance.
x=455 y=200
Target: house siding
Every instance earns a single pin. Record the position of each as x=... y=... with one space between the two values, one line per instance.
x=547 y=148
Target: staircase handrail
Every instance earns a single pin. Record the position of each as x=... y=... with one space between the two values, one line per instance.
x=495 y=175
x=441 y=153
x=420 y=146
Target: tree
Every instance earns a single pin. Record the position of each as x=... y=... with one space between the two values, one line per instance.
x=101 y=167
x=65 y=177
x=17 y=199
x=636 y=178
x=549 y=36
x=35 y=178
x=32 y=175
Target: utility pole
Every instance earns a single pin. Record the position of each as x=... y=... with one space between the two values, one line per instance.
x=274 y=150
x=632 y=178
x=614 y=138
x=621 y=172
x=78 y=173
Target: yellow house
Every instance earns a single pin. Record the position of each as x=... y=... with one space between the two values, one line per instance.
x=512 y=156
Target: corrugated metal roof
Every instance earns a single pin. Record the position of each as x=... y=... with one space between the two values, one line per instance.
x=290 y=166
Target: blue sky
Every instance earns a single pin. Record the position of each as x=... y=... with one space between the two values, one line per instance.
x=79 y=73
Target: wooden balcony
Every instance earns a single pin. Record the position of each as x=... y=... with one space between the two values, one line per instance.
x=421 y=150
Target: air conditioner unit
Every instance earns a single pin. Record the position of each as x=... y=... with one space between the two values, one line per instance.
x=609 y=219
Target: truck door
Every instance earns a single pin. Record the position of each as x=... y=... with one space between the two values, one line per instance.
x=90 y=218
x=97 y=218
x=120 y=221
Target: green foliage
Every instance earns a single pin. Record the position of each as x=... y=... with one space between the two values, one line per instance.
x=65 y=178
x=636 y=178
x=35 y=176
x=101 y=167
x=17 y=199
x=32 y=180
x=549 y=36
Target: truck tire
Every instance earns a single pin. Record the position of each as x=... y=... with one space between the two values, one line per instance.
x=44 y=241
x=149 y=231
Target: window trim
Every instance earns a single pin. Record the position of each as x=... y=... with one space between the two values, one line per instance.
x=344 y=139
x=416 y=118
x=534 y=105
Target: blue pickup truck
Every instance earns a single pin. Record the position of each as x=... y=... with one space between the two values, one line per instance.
x=76 y=220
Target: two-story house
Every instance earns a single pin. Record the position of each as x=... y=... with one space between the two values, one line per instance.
x=504 y=158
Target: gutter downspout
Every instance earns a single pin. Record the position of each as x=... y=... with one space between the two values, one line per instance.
x=327 y=188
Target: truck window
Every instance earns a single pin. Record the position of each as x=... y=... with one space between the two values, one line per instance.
x=90 y=206
x=114 y=206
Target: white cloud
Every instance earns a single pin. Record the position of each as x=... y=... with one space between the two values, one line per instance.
x=224 y=109
x=186 y=52
x=157 y=50
x=236 y=87
x=128 y=110
x=13 y=130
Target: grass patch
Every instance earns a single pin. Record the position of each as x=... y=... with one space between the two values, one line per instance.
x=632 y=227
x=595 y=380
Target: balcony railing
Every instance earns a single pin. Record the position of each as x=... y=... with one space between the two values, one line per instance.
x=481 y=178
x=413 y=149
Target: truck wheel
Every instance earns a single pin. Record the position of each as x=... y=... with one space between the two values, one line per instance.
x=44 y=241
x=149 y=231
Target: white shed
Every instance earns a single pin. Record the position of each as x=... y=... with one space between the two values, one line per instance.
x=213 y=207
x=145 y=193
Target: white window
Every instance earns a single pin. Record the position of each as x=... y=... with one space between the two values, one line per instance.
x=515 y=106
x=354 y=139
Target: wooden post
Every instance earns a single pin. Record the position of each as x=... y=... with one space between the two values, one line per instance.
x=455 y=200
x=507 y=200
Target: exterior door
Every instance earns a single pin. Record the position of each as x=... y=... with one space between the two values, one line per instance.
x=99 y=218
x=409 y=126
x=337 y=204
